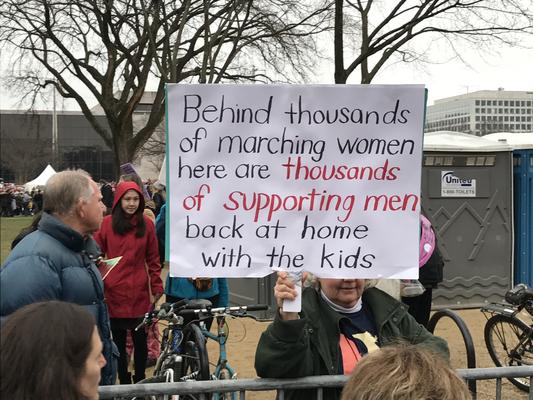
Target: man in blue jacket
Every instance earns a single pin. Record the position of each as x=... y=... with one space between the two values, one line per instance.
x=57 y=261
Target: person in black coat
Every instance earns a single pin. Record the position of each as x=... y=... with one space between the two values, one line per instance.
x=430 y=275
x=107 y=195
x=38 y=200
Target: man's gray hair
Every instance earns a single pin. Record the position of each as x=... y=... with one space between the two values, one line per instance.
x=64 y=189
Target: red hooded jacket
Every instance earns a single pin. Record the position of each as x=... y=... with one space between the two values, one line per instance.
x=126 y=287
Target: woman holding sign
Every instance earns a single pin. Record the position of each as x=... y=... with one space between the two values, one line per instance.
x=341 y=321
x=134 y=283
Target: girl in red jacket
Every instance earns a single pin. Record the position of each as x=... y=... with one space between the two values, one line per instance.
x=134 y=283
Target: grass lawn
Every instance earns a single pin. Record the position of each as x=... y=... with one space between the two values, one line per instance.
x=10 y=227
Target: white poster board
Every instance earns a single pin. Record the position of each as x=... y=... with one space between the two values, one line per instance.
x=324 y=178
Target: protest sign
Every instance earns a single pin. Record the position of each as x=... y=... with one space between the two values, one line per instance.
x=129 y=169
x=323 y=178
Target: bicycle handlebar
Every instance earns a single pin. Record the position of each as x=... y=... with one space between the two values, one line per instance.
x=143 y=322
x=164 y=310
x=179 y=308
x=224 y=310
x=257 y=307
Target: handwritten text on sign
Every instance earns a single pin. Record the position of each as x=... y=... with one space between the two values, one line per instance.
x=321 y=178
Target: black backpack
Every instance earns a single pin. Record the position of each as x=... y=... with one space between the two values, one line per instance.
x=431 y=272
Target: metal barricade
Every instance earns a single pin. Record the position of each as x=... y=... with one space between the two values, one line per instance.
x=467 y=337
x=205 y=388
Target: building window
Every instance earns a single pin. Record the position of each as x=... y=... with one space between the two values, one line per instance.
x=490 y=161
x=506 y=103
x=477 y=102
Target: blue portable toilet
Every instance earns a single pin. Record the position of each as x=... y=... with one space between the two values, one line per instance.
x=522 y=145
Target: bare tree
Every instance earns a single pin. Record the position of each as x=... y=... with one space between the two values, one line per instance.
x=154 y=150
x=111 y=51
x=380 y=32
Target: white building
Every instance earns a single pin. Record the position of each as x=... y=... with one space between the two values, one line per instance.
x=482 y=112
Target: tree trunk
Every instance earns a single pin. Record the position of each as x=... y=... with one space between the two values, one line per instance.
x=340 y=72
x=120 y=146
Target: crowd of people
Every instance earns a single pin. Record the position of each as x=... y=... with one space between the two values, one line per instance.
x=15 y=200
x=57 y=283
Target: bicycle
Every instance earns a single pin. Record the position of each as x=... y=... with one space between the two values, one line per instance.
x=183 y=354
x=223 y=369
x=509 y=340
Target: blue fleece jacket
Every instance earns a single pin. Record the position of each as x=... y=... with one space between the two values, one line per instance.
x=184 y=288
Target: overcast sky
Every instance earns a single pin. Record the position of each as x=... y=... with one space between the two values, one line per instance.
x=511 y=69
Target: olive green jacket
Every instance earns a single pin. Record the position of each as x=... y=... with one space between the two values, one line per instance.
x=309 y=346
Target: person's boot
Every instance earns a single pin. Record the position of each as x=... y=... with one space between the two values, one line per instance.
x=125 y=379
x=137 y=378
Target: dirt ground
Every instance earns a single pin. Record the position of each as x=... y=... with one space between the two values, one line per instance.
x=244 y=335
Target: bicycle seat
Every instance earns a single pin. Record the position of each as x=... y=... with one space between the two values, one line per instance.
x=197 y=304
x=519 y=295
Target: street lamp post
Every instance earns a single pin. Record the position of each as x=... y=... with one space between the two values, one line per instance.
x=54 y=129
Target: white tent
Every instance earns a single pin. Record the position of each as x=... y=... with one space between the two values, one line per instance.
x=41 y=179
x=162 y=179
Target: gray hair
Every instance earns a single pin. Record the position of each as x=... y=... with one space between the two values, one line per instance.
x=64 y=189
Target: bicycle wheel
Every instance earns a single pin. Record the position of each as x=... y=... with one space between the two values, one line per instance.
x=509 y=342
x=195 y=359
x=224 y=375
